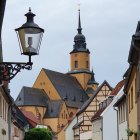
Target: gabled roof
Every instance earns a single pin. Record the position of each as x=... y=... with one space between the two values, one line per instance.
x=117 y=88
x=86 y=104
x=90 y=90
x=68 y=88
x=19 y=119
x=32 y=97
x=53 y=108
x=29 y=115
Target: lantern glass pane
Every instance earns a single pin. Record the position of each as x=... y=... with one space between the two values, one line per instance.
x=30 y=40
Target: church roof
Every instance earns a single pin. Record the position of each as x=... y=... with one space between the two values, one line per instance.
x=90 y=90
x=31 y=96
x=53 y=108
x=68 y=88
x=86 y=104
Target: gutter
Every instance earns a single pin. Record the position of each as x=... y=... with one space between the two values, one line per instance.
x=117 y=123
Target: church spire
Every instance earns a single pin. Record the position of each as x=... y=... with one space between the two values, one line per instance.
x=79 y=39
x=79 y=24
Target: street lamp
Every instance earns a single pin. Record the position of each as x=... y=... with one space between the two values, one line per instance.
x=29 y=37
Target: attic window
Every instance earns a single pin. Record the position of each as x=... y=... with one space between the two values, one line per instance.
x=19 y=99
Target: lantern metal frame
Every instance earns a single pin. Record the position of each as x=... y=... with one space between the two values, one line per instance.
x=8 y=70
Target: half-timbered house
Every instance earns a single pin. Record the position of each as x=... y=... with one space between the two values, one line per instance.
x=83 y=127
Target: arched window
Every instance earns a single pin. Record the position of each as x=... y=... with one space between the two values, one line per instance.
x=76 y=64
x=71 y=114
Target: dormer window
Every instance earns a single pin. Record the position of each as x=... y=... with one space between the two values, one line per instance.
x=76 y=64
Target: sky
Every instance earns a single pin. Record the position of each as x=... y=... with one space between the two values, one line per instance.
x=108 y=26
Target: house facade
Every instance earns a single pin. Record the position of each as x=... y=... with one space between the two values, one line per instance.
x=106 y=117
x=83 y=127
x=5 y=113
x=122 y=123
x=132 y=88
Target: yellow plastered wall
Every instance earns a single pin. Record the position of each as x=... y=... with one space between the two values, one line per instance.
x=132 y=112
x=52 y=122
x=34 y=109
x=61 y=134
x=43 y=82
x=82 y=78
x=64 y=115
x=82 y=58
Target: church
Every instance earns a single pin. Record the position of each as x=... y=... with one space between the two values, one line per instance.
x=55 y=97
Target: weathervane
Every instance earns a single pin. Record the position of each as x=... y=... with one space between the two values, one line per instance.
x=79 y=4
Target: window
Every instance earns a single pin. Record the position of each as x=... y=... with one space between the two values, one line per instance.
x=76 y=64
x=86 y=64
x=3 y=110
x=132 y=98
x=64 y=114
x=129 y=101
x=122 y=112
x=136 y=90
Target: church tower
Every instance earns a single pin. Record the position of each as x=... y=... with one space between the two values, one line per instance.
x=80 y=60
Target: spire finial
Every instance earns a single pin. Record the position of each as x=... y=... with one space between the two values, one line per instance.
x=29 y=9
x=79 y=22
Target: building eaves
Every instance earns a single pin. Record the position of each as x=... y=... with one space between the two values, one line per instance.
x=77 y=125
x=97 y=115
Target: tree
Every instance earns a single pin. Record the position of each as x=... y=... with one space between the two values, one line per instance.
x=38 y=134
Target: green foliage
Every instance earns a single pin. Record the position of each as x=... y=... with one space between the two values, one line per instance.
x=38 y=134
x=131 y=132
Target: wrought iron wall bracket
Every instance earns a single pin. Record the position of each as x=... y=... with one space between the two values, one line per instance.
x=8 y=70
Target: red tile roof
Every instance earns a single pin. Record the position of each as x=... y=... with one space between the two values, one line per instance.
x=30 y=116
x=117 y=88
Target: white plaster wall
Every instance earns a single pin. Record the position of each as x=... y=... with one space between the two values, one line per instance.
x=97 y=130
x=110 y=125
x=85 y=136
x=3 y=125
x=122 y=131
x=69 y=133
x=110 y=119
